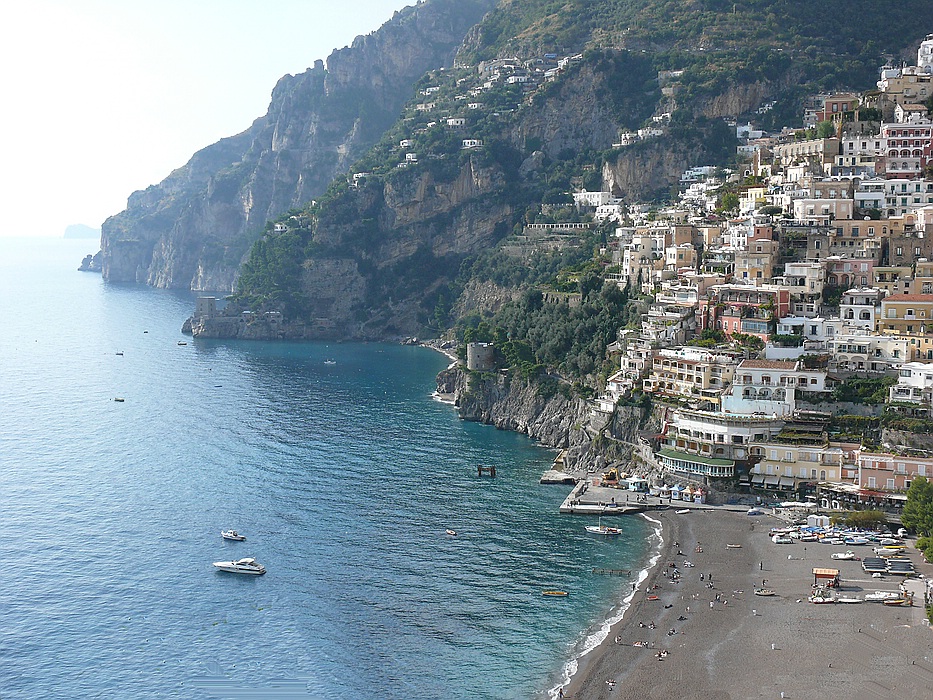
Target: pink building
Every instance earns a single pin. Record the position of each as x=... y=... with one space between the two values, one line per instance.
x=890 y=472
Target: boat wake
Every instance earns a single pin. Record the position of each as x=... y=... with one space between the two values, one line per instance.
x=596 y=637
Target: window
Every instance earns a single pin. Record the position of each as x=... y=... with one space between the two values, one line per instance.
x=899 y=250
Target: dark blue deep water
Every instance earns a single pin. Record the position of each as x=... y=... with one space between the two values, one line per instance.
x=343 y=476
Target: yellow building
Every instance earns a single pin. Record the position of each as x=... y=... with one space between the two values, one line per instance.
x=907 y=314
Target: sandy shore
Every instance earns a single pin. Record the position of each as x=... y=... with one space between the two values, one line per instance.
x=734 y=644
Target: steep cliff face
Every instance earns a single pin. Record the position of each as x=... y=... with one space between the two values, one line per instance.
x=375 y=278
x=515 y=404
x=193 y=229
x=589 y=439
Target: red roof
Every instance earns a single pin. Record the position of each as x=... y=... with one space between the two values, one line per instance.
x=908 y=297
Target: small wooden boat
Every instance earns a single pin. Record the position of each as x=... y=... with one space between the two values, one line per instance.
x=555 y=594
x=897 y=602
x=652 y=597
x=232 y=535
x=733 y=546
x=764 y=592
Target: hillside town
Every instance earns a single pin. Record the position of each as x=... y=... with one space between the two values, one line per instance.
x=780 y=339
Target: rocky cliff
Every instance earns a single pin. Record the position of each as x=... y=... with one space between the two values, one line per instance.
x=193 y=229
x=590 y=439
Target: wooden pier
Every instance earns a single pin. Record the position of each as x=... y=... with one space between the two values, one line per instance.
x=481 y=470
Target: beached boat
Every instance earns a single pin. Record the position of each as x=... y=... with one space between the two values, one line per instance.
x=898 y=602
x=232 y=535
x=849 y=599
x=855 y=540
x=754 y=511
x=821 y=600
x=555 y=594
x=881 y=596
x=603 y=530
x=764 y=592
x=846 y=556
x=241 y=566
x=733 y=546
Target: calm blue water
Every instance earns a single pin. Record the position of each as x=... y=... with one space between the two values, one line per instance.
x=344 y=478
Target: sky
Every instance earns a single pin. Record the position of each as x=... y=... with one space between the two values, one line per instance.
x=104 y=97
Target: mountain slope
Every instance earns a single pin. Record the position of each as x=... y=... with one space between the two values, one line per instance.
x=408 y=243
x=192 y=229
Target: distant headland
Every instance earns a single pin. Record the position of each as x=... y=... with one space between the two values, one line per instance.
x=76 y=231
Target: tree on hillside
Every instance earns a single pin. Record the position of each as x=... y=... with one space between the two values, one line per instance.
x=918 y=511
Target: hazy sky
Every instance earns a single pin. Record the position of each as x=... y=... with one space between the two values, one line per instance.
x=105 y=97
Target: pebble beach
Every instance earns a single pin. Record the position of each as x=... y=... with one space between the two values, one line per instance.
x=688 y=636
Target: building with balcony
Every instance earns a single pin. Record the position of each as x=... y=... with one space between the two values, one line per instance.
x=906 y=314
x=705 y=444
x=865 y=352
x=859 y=307
x=691 y=373
x=914 y=384
x=737 y=308
x=888 y=472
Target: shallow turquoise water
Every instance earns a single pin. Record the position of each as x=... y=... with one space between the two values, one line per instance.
x=344 y=478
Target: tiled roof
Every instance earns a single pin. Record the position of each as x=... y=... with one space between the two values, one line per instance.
x=908 y=297
x=768 y=364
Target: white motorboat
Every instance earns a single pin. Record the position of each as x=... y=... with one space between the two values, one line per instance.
x=849 y=599
x=847 y=556
x=683 y=511
x=232 y=535
x=241 y=566
x=603 y=530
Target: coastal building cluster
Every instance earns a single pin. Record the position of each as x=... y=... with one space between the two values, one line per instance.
x=820 y=278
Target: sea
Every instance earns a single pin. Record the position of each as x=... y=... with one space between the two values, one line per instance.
x=126 y=447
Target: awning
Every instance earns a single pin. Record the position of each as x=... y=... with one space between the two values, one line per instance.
x=772 y=480
x=786 y=482
x=758 y=479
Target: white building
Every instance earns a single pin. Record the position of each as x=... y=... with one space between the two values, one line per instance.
x=591 y=199
x=822 y=211
x=867 y=352
x=859 y=307
x=914 y=383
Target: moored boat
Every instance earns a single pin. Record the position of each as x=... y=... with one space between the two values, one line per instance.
x=555 y=594
x=603 y=530
x=247 y=565
x=232 y=535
